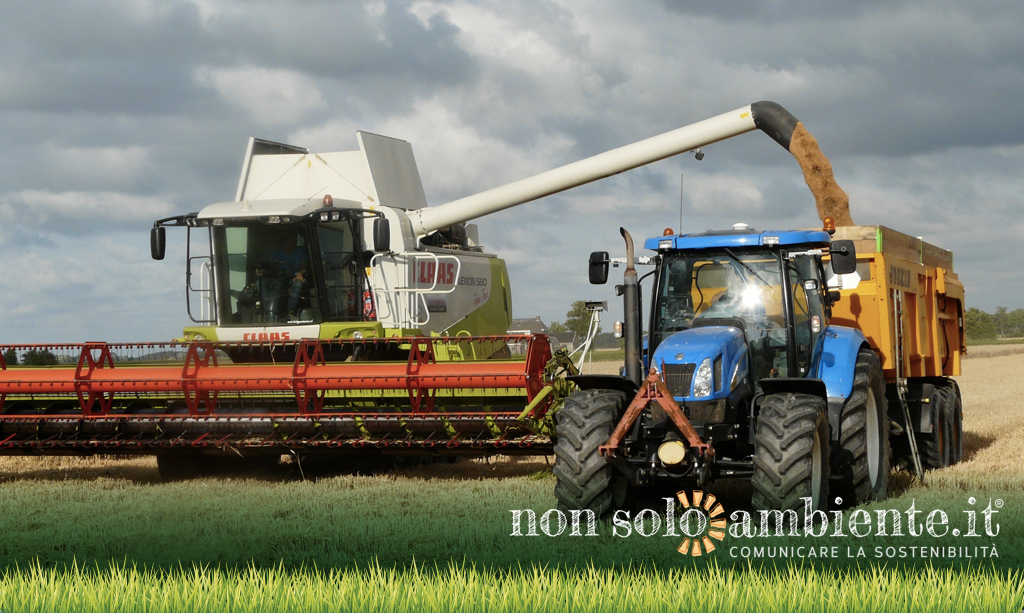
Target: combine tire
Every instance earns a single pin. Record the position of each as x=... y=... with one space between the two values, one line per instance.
x=862 y=453
x=585 y=480
x=183 y=465
x=935 y=446
x=791 y=453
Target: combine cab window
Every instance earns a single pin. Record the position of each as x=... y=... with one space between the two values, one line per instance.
x=342 y=272
x=264 y=275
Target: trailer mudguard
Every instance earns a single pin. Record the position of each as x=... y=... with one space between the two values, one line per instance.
x=838 y=360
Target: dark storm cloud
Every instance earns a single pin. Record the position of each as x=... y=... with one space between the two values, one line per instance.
x=879 y=77
x=120 y=58
x=114 y=113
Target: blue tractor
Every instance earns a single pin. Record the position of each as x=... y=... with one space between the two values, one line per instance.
x=741 y=375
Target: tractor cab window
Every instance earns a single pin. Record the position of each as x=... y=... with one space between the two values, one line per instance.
x=264 y=275
x=808 y=307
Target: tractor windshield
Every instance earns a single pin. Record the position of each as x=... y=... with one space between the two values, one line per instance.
x=743 y=289
x=730 y=288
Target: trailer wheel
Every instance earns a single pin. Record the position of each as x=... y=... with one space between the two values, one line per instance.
x=935 y=446
x=954 y=423
x=862 y=454
x=585 y=480
x=791 y=453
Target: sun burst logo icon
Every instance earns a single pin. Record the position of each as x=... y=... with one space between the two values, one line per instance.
x=702 y=521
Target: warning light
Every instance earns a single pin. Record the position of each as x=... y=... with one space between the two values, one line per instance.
x=830 y=226
x=667 y=232
x=328 y=201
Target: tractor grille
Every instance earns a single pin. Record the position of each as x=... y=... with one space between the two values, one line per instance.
x=678 y=378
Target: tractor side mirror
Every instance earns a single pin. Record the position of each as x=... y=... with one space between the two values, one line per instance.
x=381 y=235
x=598 y=269
x=844 y=257
x=157 y=242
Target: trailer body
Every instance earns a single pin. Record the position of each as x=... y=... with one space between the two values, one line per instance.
x=905 y=285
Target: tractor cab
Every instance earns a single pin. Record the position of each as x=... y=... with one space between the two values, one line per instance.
x=731 y=303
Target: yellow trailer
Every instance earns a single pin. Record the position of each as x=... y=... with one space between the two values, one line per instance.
x=908 y=302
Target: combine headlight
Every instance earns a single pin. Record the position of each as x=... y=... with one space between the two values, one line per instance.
x=702 y=382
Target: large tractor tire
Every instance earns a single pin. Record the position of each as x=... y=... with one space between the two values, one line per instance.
x=936 y=446
x=950 y=401
x=862 y=454
x=791 y=453
x=584 y=479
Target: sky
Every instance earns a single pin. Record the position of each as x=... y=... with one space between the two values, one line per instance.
x=116 y=113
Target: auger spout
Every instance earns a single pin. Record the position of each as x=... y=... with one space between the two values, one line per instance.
x=769 y=117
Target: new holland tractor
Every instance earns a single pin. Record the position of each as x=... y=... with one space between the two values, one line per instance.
x=775 y=356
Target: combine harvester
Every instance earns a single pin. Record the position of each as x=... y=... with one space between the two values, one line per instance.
x=336 y=313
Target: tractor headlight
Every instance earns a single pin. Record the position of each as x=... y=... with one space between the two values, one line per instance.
x=702 y=382
x=737 y=373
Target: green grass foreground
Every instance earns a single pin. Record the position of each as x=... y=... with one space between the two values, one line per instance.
x=465 y=588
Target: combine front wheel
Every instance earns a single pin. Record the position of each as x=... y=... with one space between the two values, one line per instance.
x=183 y=465
x=791 y=453
x=585 y=480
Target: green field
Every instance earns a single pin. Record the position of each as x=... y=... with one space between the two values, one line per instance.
x=100 y=534
x=106 y=535
x=459 y=587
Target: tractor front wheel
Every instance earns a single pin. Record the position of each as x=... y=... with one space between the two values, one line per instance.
x=791 y=453
x=584 y=479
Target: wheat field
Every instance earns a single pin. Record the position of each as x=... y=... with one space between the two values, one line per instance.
x=105 y=534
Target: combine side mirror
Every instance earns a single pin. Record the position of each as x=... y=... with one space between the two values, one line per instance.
x=844 y=257
x=381 y=235
x=598 y=268
x=157 y=242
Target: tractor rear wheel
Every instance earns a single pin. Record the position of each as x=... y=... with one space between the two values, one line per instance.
x=584 y=479
x=791 y=453
x=860 y=464
x=935 y=446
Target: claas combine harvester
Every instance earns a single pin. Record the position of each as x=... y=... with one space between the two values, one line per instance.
x=335 y=313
